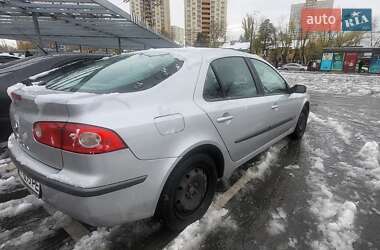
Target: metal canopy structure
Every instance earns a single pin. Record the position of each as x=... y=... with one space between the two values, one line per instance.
x=91 y=23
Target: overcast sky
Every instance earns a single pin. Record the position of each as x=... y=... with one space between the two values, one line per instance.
x=277 y=10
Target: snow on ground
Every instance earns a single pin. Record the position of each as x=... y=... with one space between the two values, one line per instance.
x=335 y=215
x=216 y=216
x=340 y=84
x=8 y=183
x=278 y=223
x=20 y=240
x=193 y=235
x=340 y=127
x=45 y=227
x=369 y=158
x=14 y=207
x=292 y=167
x=96 y=241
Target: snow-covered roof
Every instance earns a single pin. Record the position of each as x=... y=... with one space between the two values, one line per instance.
x=236 y=45
x=205 y=53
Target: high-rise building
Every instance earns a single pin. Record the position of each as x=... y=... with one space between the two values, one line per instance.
x=296 y=10
x=155 y=13
x=205 y=17
x=178 y=35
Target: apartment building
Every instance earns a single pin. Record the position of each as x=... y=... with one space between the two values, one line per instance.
x=155 y=13
x=178 y=35
x=206 y=17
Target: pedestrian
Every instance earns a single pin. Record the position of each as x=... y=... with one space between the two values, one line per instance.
x=361 y=64
x=314 y=66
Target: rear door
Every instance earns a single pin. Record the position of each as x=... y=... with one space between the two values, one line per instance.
x=236 y=106
x=284 y=106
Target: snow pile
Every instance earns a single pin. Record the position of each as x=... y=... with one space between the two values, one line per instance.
x=3 y=162
x=370 y=159
x=262 y=169
x=258 y=171
x=45 y=228
x=96 y=241
x=292 y=167
x=14 y=207
x=336 y=217
x=292 y=242
x=193 y=235
x=9 y=183
x=22 y=239
x=278 y=222
x=339 y=127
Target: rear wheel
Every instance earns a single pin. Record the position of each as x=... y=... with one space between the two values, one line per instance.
x=188 y=192
x=301 y=124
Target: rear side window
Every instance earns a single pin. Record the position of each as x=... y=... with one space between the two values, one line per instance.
x=126 y=73
x=234 y=77
x=212 y=90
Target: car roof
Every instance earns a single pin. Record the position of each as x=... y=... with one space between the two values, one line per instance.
x=205 y=53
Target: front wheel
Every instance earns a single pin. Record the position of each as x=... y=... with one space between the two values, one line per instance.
x=301 y=124
x=188 y=192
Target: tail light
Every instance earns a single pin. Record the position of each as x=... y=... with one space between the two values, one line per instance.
x=77 y=138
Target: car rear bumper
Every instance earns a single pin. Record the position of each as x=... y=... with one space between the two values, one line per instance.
x=132 y=199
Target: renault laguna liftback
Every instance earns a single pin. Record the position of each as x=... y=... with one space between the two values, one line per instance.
x=149 y=133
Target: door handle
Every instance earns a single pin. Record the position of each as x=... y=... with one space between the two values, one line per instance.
x=275 y=106
x=225 y=118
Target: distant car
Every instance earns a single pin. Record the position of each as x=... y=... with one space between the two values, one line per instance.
x=20 y=70
x=294 y=67
x=6 y=58
x=150 y=132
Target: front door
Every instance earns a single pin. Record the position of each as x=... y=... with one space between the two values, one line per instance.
x=285 y=106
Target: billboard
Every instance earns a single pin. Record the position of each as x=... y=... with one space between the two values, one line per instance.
x=337 y=61
x=320 y=20
x=375 y=64
x=327 y=61
x=356 y=19
x=335 y=20
x=350 y=61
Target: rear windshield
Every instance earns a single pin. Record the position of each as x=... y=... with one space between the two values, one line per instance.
x=125 y=73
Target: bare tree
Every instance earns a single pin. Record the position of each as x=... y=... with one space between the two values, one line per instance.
x=248 y=25
x=217 y=35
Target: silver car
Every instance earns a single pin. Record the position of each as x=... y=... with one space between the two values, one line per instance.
x=149 y=133
x=294 y=67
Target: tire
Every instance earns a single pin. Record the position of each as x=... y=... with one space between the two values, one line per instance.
x=188 y=192
x=301 y=124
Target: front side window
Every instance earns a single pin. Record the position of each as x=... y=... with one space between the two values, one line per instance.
x=235 y=77
x=125 y=73
x=272 y=82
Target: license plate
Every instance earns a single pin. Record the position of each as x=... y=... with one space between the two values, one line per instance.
x=31 y=183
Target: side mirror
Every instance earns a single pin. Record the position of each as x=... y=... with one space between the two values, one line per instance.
x=301 y=89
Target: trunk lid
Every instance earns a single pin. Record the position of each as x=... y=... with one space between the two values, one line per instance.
x=36 y=103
